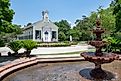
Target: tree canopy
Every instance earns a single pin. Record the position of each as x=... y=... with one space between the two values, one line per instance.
x=64 y=30
x=117 y=13
x=110 y=20
x=86 y=24
x=8 y=31
x=83 y=29
x=6 y=16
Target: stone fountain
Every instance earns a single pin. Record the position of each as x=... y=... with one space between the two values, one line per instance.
x=98 y=57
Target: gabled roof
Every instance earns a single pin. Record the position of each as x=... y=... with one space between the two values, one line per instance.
x=41 y=23
x=45 y=23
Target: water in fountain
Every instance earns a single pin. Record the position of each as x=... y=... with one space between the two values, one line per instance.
x=98 y=57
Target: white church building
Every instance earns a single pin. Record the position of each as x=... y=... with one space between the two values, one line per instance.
x=43 y=31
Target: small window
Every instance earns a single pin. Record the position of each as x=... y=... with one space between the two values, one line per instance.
x=38 y=34
x=53 y=34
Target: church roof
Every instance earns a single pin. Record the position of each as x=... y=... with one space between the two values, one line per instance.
x=42 y=23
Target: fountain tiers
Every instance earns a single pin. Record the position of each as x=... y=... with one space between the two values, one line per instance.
x=98 y=57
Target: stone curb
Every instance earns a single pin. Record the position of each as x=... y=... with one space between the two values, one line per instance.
x=10 y=68
x=4 y=70
x=54 y=60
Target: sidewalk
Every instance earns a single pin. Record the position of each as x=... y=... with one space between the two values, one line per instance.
x=48 y=50
x=57 y=50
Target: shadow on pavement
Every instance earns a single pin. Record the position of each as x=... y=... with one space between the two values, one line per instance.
x=86 y=74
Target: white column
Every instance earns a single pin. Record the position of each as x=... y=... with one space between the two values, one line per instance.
x=57 y=35
x=42 y=34
x=33 y=33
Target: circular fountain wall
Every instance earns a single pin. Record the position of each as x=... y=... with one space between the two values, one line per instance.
x=74 y=71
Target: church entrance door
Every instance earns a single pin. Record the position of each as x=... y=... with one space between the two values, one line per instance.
x=47 y=34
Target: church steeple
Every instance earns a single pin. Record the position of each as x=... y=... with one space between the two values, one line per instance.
x=45 y=15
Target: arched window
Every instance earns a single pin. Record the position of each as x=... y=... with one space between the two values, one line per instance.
x=46 y=33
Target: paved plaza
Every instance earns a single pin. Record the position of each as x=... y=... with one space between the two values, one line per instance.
x=57 y=50
x=49 y=50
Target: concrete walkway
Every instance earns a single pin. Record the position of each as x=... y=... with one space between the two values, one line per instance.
x=57 y=50
x=48 y=50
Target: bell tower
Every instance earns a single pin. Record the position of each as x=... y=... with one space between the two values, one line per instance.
x=45 y=15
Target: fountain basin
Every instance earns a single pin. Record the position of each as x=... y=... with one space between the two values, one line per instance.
x=97 y=43
x=98 y=30
x=105 y=58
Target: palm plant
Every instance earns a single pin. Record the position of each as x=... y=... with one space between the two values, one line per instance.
x=29 y=45
x=15 y=46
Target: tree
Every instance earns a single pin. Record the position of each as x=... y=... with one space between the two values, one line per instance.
x=86 y=24
x=2 y=43
x=7 y=29
x=17 y=29
x=117 y=13
x=62 y=36
x=8 y=37
x=83 y=28
x=64 y=28
x=76 y=34
x=29 y=24
x=107 y=20
x=6 y=16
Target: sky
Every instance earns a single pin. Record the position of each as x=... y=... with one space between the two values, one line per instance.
x=27 y=11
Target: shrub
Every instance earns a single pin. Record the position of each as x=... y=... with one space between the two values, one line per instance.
x=73 y=43
x=15 y=46
x=29 y=45
x=61 y=44
x=2 y=43
x=56 y=44
x=113 y=44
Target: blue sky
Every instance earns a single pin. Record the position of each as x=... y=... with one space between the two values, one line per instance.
x=30 y=10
